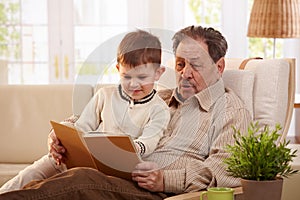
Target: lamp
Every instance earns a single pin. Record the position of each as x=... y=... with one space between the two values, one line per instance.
x=275 y=19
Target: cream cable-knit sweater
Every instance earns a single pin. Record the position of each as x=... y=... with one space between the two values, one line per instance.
x=109 y=111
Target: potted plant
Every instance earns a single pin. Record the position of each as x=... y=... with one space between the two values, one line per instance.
x=260 y=162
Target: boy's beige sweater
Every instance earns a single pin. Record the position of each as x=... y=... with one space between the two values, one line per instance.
x=108 y=111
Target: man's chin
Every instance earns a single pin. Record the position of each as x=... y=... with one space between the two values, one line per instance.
x=187 y=92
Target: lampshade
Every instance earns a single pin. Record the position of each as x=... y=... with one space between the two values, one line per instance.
x=275 y=19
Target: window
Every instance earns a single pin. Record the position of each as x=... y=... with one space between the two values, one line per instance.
x=42 y=42
x=94 y=22
x=83 y=28
x=204 y=12
x=47 y=41
x=24 y=48
x=209 y=13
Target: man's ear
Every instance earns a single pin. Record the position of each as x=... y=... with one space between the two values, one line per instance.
x=159 y=71
x=221 y=65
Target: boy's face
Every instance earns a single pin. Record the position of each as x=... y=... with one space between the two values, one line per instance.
x=138 y=81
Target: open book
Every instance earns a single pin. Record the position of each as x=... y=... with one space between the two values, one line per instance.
x=113 y=155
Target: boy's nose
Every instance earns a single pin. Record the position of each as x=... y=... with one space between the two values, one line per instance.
x=134 y=82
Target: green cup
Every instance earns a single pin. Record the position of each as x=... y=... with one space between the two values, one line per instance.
x=218 y=193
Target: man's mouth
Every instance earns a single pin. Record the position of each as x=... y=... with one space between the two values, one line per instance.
x=186 y=86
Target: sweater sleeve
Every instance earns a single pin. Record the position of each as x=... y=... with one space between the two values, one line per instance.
x=90 y=117
x=154 y=129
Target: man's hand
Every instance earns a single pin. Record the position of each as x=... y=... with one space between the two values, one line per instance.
x=149 y=176
x=55 y=148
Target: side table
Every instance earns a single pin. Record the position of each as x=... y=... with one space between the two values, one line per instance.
x=290 y=190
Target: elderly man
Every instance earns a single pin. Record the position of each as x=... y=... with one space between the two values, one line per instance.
x=189 y=157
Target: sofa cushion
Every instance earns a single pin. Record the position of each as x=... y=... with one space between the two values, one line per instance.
x=82 y=94
x=241 y=82
x=270 y=95
x=8 y=171
x=270 y=90
x=25 y=114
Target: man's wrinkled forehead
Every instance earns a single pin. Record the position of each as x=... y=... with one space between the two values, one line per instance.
x=193 y=50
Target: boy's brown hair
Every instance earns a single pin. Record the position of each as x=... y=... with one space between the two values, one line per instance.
x=138 y=48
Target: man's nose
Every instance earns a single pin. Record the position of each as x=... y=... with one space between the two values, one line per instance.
x=187 y=71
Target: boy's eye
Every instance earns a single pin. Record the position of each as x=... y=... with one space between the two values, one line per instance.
x=142 y=77
x=127 y=77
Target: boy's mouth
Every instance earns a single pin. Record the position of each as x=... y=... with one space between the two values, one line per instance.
x=134 y=91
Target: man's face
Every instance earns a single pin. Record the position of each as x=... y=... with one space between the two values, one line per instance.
x=195 y=70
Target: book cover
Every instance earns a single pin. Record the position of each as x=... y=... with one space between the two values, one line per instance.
x=114 y=155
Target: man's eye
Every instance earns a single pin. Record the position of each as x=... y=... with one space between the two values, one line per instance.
x=179 y=66
x=196 y=66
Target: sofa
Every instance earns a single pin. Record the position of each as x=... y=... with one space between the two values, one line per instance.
x=27 y=109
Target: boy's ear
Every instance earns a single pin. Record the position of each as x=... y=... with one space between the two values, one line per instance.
x=159 y=72
x=118 y=67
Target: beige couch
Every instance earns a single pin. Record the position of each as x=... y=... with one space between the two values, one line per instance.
x=27 y=109
x=25 y=114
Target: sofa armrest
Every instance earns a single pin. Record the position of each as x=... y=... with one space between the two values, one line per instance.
x=238 y=191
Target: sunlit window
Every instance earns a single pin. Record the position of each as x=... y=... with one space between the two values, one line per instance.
x=47 y=42
x=94 y=22
x=23 y=41
x=35 y=49
x=204 y=12
x=208 y=13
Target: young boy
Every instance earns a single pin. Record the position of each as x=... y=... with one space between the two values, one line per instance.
x=132 y=108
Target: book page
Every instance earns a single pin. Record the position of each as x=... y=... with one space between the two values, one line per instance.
x=115 y=154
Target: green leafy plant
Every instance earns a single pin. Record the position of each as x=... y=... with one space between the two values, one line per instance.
x=257 y=156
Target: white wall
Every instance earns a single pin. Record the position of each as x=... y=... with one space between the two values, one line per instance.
x=234 y=27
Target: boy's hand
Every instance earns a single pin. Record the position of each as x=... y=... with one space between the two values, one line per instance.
x=55 y=148
x=149 y=176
